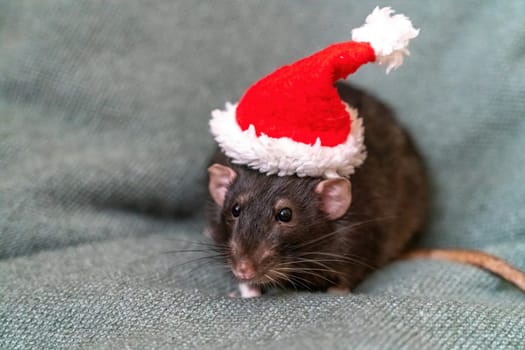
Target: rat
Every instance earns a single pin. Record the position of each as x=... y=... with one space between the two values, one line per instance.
x=310 y=233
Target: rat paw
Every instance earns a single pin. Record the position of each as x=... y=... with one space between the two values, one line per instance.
x=249 y=291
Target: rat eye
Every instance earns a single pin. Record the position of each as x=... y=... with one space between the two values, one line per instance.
x=236 y=210
x=284 y=215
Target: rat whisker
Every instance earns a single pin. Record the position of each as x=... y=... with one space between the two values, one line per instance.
x=277 y=276
x=175 y=251
x=341 y=229
x=302 y=282
x=198 y=259
x=319 y=262
x=298 y=265
x=202 y=262
x=206 y=243
x=305 y=260
x=322 y=267
x=273 y=282
x=315 y=274
x=358 y=223
x=289 y=279
x=315 y=270
x=157 y=255
x=346 y=258
x=309 y=273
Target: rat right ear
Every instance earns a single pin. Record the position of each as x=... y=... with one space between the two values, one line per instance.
x=336 y=196
x=220 y=179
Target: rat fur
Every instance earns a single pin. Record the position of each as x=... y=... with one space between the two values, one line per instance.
x=318 y=249
x=325 y=234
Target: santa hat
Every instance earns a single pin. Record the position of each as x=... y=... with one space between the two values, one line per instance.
x=294 y=122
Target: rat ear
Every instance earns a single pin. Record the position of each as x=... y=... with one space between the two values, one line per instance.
x=336 y=196
x=220 y=179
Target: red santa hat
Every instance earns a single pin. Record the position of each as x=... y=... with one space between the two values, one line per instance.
x=293 y=121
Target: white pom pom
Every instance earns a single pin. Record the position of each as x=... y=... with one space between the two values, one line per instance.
x=388 y=35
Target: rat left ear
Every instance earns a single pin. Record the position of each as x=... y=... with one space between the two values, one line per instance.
x=220 y=179
x=336 y=196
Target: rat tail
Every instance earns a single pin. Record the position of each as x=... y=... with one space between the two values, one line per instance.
x=477 y=258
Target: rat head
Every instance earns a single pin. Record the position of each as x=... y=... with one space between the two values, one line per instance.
x=266 y=224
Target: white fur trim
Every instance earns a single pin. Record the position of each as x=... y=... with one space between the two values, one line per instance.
x=284 y=156
x=388 y=35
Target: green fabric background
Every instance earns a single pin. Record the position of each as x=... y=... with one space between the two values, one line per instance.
x=104 y=106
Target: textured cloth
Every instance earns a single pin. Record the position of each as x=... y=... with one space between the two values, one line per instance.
x=104 y=106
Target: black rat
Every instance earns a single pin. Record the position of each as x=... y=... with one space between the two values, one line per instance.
x=328 y=234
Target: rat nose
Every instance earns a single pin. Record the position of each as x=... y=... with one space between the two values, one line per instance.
x=244 y=270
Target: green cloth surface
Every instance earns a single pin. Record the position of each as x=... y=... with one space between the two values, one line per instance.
x=104 y=109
